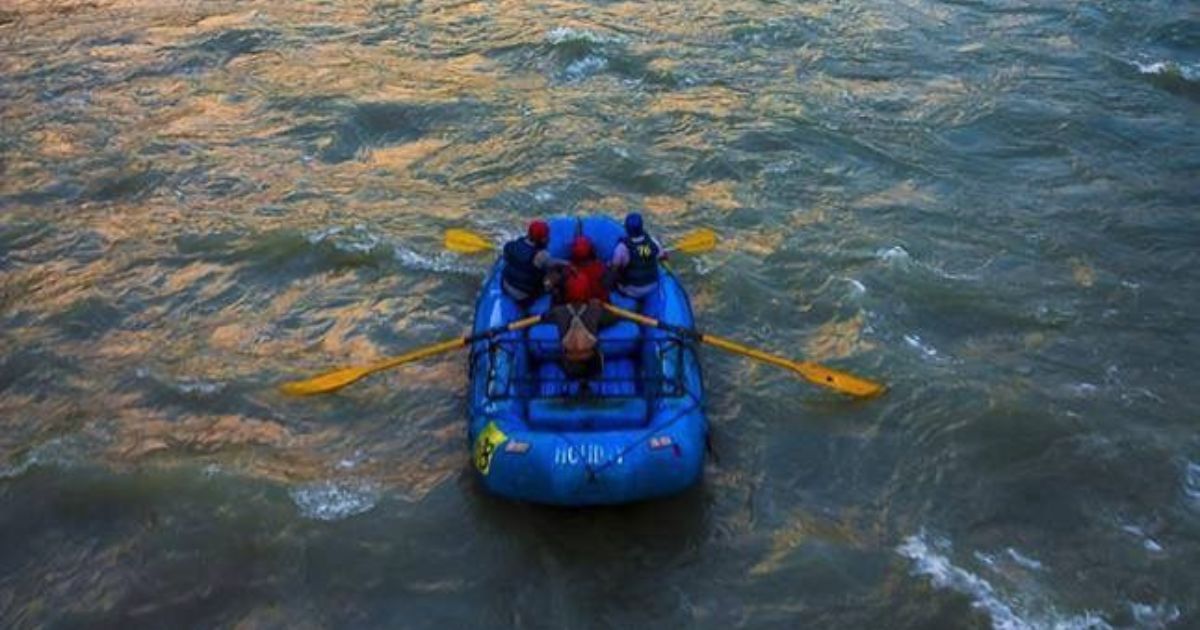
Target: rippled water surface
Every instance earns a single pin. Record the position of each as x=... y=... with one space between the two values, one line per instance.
x=990 y=205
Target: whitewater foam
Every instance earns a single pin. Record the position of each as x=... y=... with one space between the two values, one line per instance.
x=926 y=349
x=199 y=387
x=1082 y=390
x=54 y=452
x=897 y=256
x=567 y=34
x=1007 y=612
x=1148 y=543
x=1025 y=561
x=357 y=240
x=1010 y=556
x=1191 y=483
x=443 y=262
x=1154 y=615
x=335 y=500
x=1189 y=72
x=894 y=255
x=583 y=68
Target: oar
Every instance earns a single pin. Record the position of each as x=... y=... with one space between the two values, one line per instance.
x=696 y=242
x=813 y=372
x=467 y=242
x=337 y=379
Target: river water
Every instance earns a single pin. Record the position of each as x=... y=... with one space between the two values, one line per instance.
x=990 y=205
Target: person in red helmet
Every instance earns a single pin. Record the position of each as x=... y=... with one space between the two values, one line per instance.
x=584 y=264
x=526 y=261
x=579 y=321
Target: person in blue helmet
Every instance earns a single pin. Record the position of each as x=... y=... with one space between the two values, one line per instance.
x=526 y=261
x=635 y=259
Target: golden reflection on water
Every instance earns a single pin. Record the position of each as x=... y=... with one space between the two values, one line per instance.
x=901 y=193
x=838 y=339
x=803 y=528
x=197 y=318
x=1082 y=273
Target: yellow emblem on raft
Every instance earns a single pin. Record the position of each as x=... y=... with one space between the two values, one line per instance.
x=486 y=444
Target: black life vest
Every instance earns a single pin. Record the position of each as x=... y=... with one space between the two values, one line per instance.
x=642 y=269
x=519 y=271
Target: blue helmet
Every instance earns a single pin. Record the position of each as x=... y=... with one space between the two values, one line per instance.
x=633 y=224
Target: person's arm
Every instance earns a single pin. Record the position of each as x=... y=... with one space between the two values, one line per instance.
x=663 y=253
x=620 y=257
x=543 y=260
x=609 y=278
x=559 y=316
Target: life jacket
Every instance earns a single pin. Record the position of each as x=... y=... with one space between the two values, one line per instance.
x=578 y=343
x=584 y=263
x=642 y=269
x=577 y=288
x=519 y=270
x=587 y=282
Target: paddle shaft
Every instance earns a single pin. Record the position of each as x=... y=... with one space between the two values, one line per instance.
x=452 y=344
x=813 y=372
x=337 y=379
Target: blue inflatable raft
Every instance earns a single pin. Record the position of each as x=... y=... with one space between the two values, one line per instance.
x=639 y=433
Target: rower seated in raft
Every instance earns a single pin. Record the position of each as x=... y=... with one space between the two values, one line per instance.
x=578 y=321
x=635 y=260
x=526 y=263
x=582 y=281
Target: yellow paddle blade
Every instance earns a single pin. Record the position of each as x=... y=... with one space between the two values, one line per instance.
x=813 y=372
x=466 y=242
x=337 y=379
x=838 y=380
x=697 y=241
x=325 y=383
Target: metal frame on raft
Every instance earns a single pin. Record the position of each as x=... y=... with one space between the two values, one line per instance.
x=527 y=385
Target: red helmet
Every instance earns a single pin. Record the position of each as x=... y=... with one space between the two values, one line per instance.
x=578 y=288
x=582 y=250
x=539 y=232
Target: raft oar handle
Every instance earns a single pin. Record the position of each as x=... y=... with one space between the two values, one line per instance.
x=813 y=372
x=337 y=379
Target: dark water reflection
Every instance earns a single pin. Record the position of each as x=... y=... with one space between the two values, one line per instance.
x=989 y=205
